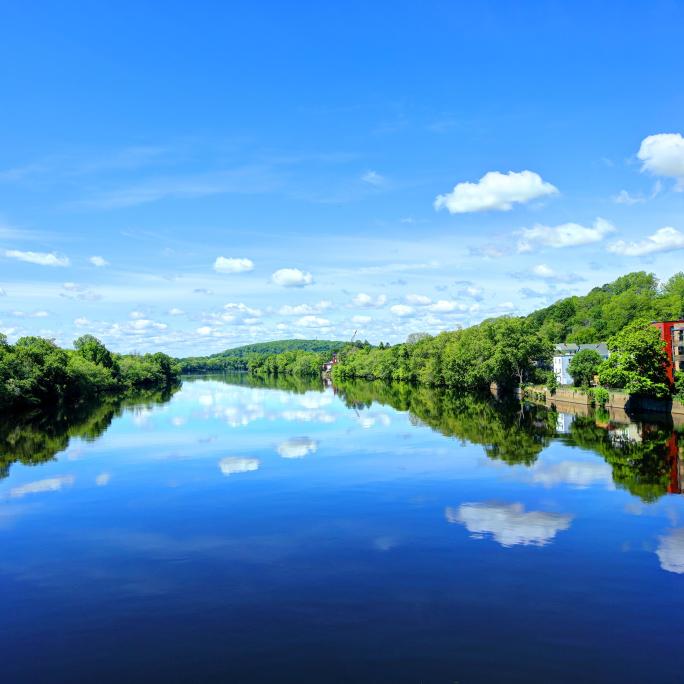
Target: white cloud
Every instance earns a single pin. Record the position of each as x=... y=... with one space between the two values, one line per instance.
x=81 y=321
x=291 y=277
x=145 y=324
x=233 y=464
x=671 y=551
x=40 y=258
x=564 y=235
x=495 y=191
x=175 y=311
x=663 y=155
x=576 y=473
x=103 y=479
x=623 y=197
x=3 y=293
x=297 y=447
x=243 y=309
x=303 y=309
x=231 y=265
x=418 y=300
x=313 y=322
x=373 y=178
x=204 y=330
x=447 y=306
x=544 y=272
x=509 y=524
x=361 y=320
x=365 y=300
x=52 y=484
x=402 y=310
x=663 y=240
x=98 y=261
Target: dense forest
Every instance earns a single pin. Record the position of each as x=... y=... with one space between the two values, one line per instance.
x=512 y=351
x=36 y=372
x=238 y=358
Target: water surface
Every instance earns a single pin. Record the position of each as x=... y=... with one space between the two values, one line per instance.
x=246 y=531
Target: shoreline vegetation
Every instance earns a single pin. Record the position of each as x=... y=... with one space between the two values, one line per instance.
x=511 y=352
x=37 y=374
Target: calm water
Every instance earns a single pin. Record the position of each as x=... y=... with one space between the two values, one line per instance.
x=237 y=533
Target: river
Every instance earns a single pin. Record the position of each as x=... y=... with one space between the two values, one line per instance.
x=243 y=530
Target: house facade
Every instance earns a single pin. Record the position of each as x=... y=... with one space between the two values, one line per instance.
x=672 y=333
x=564 y=353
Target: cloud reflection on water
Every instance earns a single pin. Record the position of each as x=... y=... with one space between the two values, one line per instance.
x=509 y=524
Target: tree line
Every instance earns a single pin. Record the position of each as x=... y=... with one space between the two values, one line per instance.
x=36 y=372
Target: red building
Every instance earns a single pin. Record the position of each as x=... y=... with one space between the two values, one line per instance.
x=672 y=333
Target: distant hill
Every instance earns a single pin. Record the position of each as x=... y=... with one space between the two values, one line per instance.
x=279 y=346
x=236 y=358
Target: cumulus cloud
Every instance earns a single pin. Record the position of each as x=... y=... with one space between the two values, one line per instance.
x=495 y=191
x=297 y=447
x=663 y=240
x=204 y=330
x=365 y=300
x=361 y=320
x=564 y=235
x=291 y=277
x=232 y=265
x=40 y=258
x=313 y=322
x=304 y=309
x=663 y=155
x=98 y=261
x=51 y=484
x=509 y=524
x=402 y=310
x=418 y=300
x=81 y=322
x=233 y=464
x=447 y=306
x=671 y=551
x=242 y=309
x=175 y=311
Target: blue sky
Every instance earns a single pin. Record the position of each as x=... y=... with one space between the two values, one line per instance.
x=198 y=176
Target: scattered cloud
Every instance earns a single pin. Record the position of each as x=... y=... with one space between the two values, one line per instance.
x=367 y=301
x=52 y=484
x=291 y=277
x=233 y=464
x=313 y=322
x=361 y=320
x=103 y=479
x=402 y=310
x=175 y=311
x=418 y=300
x=297 y=447
x=663 y=155
x=40 y=258
x=671 y=551
x=495 y=191
x=624 y=197
x=76 y=291
x=564 y=235
x=304 y=309
x=663 y=240
x=232 y=265
x=509 y=524
x=447 y=306
x=544 y=272
x=373 y=178
x=98 y=261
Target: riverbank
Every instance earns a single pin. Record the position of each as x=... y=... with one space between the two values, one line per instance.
x=620 y=403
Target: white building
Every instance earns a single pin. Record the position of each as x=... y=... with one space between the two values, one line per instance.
x=564 y=354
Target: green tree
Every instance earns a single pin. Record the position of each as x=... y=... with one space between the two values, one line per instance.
x=584 y=366
x=638 y=362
